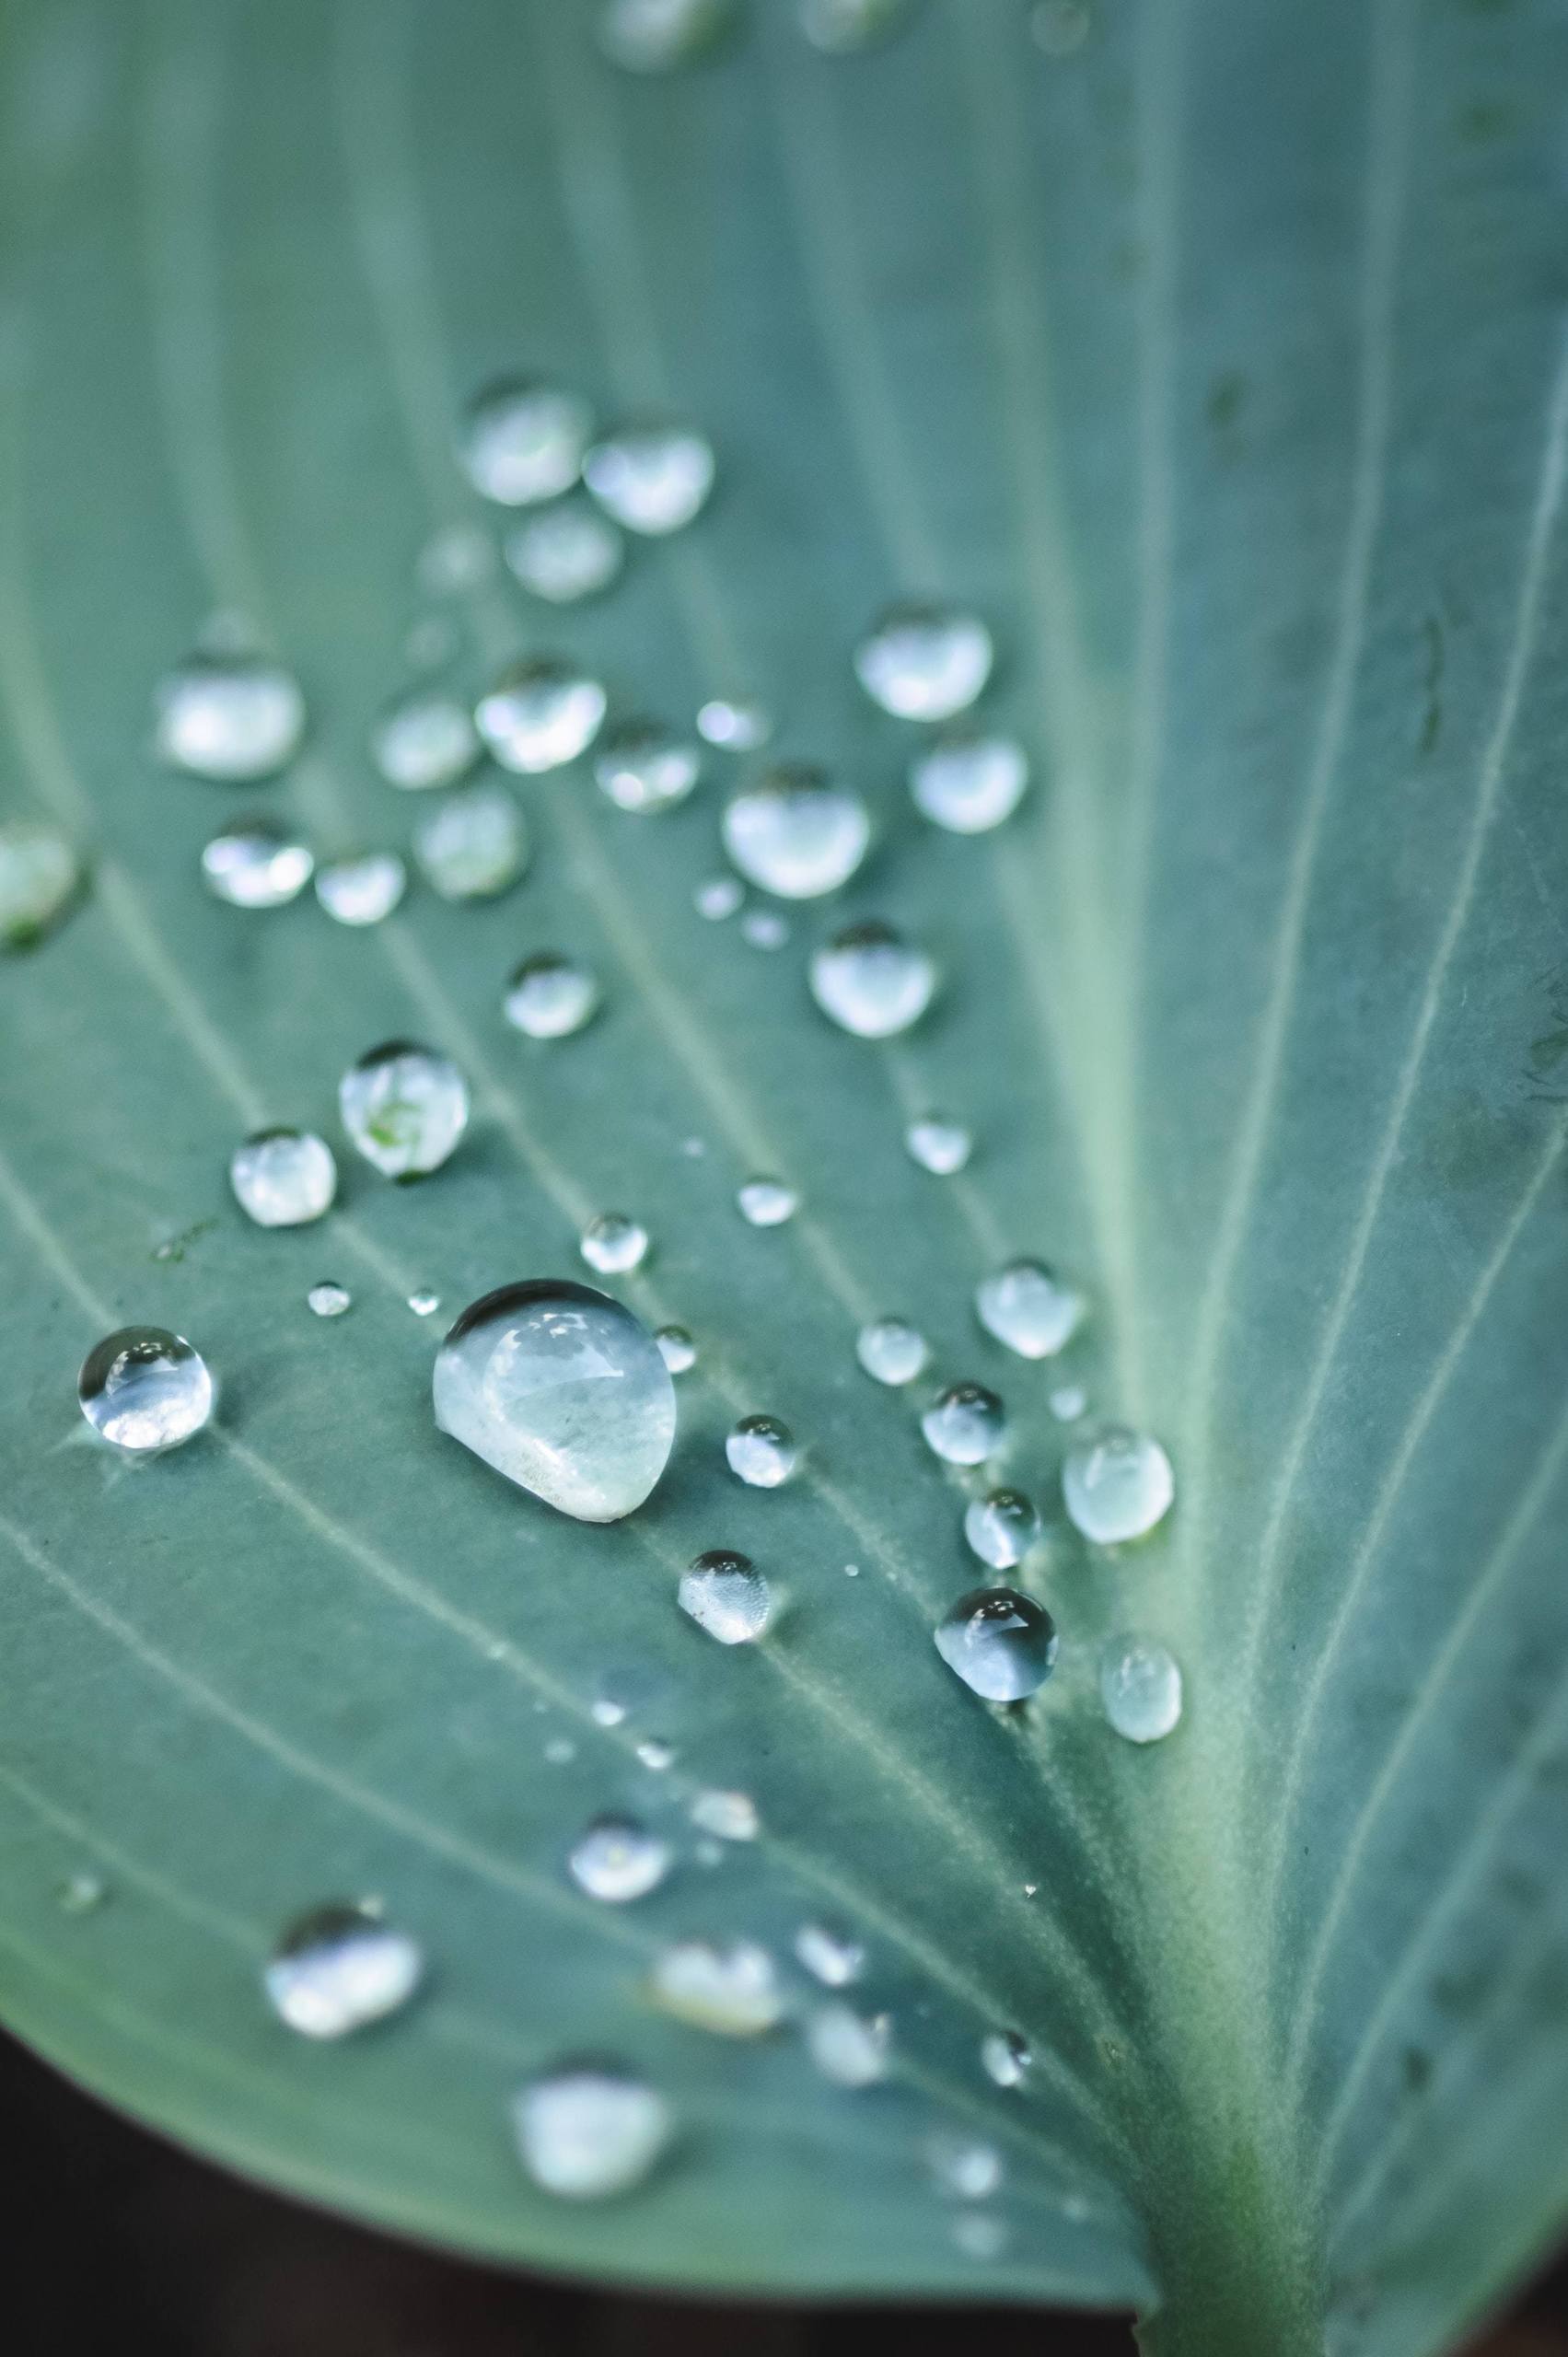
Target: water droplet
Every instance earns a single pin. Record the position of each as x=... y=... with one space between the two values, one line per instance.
x=283 y=1178
x=938 y=1145
x=965 y=1425
x=729 y=1987
x=870 y=980
x=230 y=717
x=474 y=846
x=847 y=2047
x=1117 y=1485
x=1027 y=1307
x=363 y=889
x=565 y=553
x=731 y=1817
x=256 y=864
x=144 y=1389
x=797 y=833
x=891 y=1351
x=82 y=1894
x=1061 y=26
x=338 y=1969
x=969 y=783
x=840 y=27
x=1067 y=1402
x=924 y=662
x=616 y=1859
x=585 y=2130
x=1139 y=1685
x=425 y=740
x=652 y=479
x=762 y=1451
x=767 y=1202
x=979 y=2235
x=524 y=442
x=655 y=1755
x=560 y=1752
x=718 y=898
x=328 y=1299
x=964 y=2168
x=608 y=1712
x=541 y=714
x=1001 y=1527
x=549 y=996
x=830 y=1953
x=404 y=1107
x=644 y=768
x=614 y=1244
x=726 y=1595
x=738 y=723
x=1006 y=2057
x=677 y=1349
x=563 y=1392
x=424 y=1305
x=40 y=876
x=1001 y=1644
x=764 y=929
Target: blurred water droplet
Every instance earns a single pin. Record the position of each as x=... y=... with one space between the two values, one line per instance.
x=40 y=876
x=738 y=723
x=730 y=1986
x=1001 y=1644
x=560 y=1752
x=608 y=1712
x=652 y=479
x=283 y=1178
x=256 y=864
x=871 y=981
x=363 y=889
x=797 y=833
x=938 y=1145
x=82 y=1894
x=523 y=442
x=762 y=1451
x=549 y=996
x=474 y=846
x=924 y=662
x=847 y=2047
x=677 y=1349
x=144 y=1389
x=328 y=1299
x=980 y=2235
x=966 y=2168
x=655 y=1755
x=1117 y=1485
x=425 y=740
x=718 y=897
x=891 y=1351
x=838 y=28
x=233 y=718
x=830 y=1953
x=565 y=553
x=338 y=1969
x=541 y=714
x=1139 y=1685
x=404 y=1107
x=456 y=560
x=644 y=768
x=616 y=1859
x=585 y=2130
x=969 y=783
x=767 y=1202
x=764 y=929
x=1067 y=1402
x=1001 y=1527
x=1006 y=2057
x=727 y=1596
x=730 y=1816
x=424 y=1305
x=614 y=1244
x=965 y=1425
x=1027 y=1307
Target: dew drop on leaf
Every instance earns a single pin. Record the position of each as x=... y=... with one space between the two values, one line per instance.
x=338 y=1969
x=328 y=1299
x=614 y=1244
x=938 y=1145
x=924 y=662
x=1001 y=1644
x=1026 y=1306
x=1005 y=2057
x=652 y=479
x=1117 y=1485
x=764 y=929
x=564 y=554
x=970 y=784
x=980 y=2235
x=475 y=846
x=727 y=1596
x=82 y=1894
x=965 y=1425
x=550 y=996
x=1067 y=1402
x=830 y=1953
x=738 y=724
x=767 y=1202
x=523 y=442
x=729 y=1816
x=40 y=876
x=363 y=889
x=144 y=1389
x=643 y=768
x=655 y=1755
x=891 y=1350
x=541 y=714
x=405 y=1107
x=585 y=2130
x=966 y=2168
x=425 y=740
x=424 y=1303
x=730 y=1986
x=1139 y=1685
x=869 y=979
x=232 y=718
x=718 y=897
x=797 y=833
x=1002 y=1526
x=617 y=1859
x=283 y=1178
x=677 y=1349
x=256 y=864
x=760 y=1452
x=847 y=2047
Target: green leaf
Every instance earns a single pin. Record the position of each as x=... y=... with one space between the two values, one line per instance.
x=1219 y=362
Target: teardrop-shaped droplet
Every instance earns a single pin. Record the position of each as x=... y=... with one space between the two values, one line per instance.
x=677 y=1349
x=475 y=846
x=404 y=1107
x=144 y=1389
x=363 y=889
x=1001 y=1644
x=891 y=1350
x=283 y=1178
x=256 y=864
x=617 y=1859
x=965 y=1425
x=767 y=1202
x=924 y=662
x=523 y=442
x=727 y=1596
x=848 y=2048
x=871 y=981
x=1006 y=2057
x=738 y=723
x=328 y=1299
x=1001 y=1527
x=541 y=714
x=586 y=2130
x=938 y=1145
x=1117 y=1485
x=563 y=1392
x=796 y=833
x=1027 y=1307
x=614 y=1244
x=644 y=768
x=338 y=1969
x=229 y=717
x=40 y=878
x=565 y=553
x=730 y=1986
x=838 y=28
x=549 y=997
x=830 y=1953
x=762 y=1451
x=425 y=740
x=1139 y=1685
x=656 y=36
x=969 y=783
x=652 y=479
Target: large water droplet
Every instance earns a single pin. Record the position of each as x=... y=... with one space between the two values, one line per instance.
x=229 y=717
x=256 y=864
x=563 y=1392
x=891 y=1350
x=1117 y=1485
x=965 y=1425
x=938 y=1145
x=362 y=889
x=283 y=1178
x=404 y=1107
x=566 y=553
x=474 y=846
x=738 y=723
x=425 y=740
x=1139 y=1685
x=1001 y=1644
x=966 y=2168
x=871 y=981
x=524 y=442
x=847 y=2047
x=617 y=1859
x=40 y=876
x=1029 y=1307
x=144 y=1388
x=338 y=1969
x=614 y=1244
x=970 y=784
x=924 y=662
x=652 y=479
x=797 y=833
x=767 y=1202
x=645 y=768
x=840 y=27
x=762 y=1451
x=1001 y=1527
x=726 y=1595
x=677 y=1349
x=589 y=2129
x=1006 y=2057
x=541 y=714
x=549 y=996
x=830 y=1953
x=328 y=1299
x=731 y=1986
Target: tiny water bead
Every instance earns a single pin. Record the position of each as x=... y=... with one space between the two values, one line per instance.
x=1067 y=1402
x=767 y=1202
x=614 y=1244
x=1139 y=1685
x=564 y=554
x=764 y=929
x=1001 y=1644
x=339 y=1969
x=677 y=1349
x=1001 y=1527
x=1026 y=1306
x=232 y=718
x=425 y=740
x=727 y=1596
x=796 y=833
x=736 y=724
x=729 y=1987
x=405 y=1107
x=541 y=714
x=561 y=1390
x=82 y=1894
x=891 y=1351
x=938 y=1145
x=847 y=2047
x=256 y=864
x=965 y=1425
x=328 y=1299
x=1004 y=2057
x=869 y=979
x=651 y=479
x=283 y=1178
x=40 y=876
x=523 y=442
x=655 y=1755
x=363 y=889
x=965 y=2168
x=762 y=1451
x=549 y=996
x=924 y=662
x=587 y=2130
x=718 y=897
x=144 y=1389
x=644 y=768
x=830 y=1953
x=616 y=1859
x=969 y=783
x=1117 y=1485
x=730 y=1816
x=475 y=846
x=840 y=27
x=424 y=1303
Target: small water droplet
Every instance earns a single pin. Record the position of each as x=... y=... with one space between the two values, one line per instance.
x=563 y=1392
x=560 y=1752
x=1067 y=1402
x=541 y=714
x=363 y=889
x=565 y=553
x=614 y=1244
x=938 y=1145
x=256 y=864
x=718 y=897
x=549 y=996
x=585 y=2130
x=1139 y=1685
x=891 y=1350
x=231 y=717
x=424 y=1305
x=1117 y=1485
x=677 y=1349
x=830 y=1953
x=1061 y=26
x=979 y=2235
x=144 y=1389
x=969 y=783
x=40 y=876
x=738 y=723
x=852 y=1571
x=764 y=929
x=82 y=1894
x=523 y=442
x=655 y=1755
x=474 y=846
x=966 y=2168
x=871 y=981
x=762 y=1451
x=338 y=1969
x=606 y=1713
x=652 y=479
x=328 y=1299
x=730 y=1986
x=1006 y=2057
x=1001 y=1527
x=966 y=1424
x=1029 y=1307
x=616 y=1858
x=283 y=1178
x=404 y=1107
x=727 y=1596
x=730 y=1816
x=425 y=740
x=838 y=28
x=924 y=662
x=796 y=833
x=1001 y=1644
x=847 y=2047
x=767 y=1202
x=644 y=768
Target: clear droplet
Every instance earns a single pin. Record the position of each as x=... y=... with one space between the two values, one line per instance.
x=655 y=1754
x=718 y=897
x=144 y=1388
x=425 y=740
x=764 y=929
x=644 y=768
x=256 y=864
x=563 y=1392
x=891 y=1351
x=424 y=1303
x=338 y=1969
x=40 y=876
x=549 y=996
x=1029 y=1307
x=614 y=1244
x=1006 y=2057
x=82 y=1894
x=938 y=1145
x=965 y=2168
x=762 y=1451
x=1001 y=1644
x=283 y=1178
x=475 y=846
x=616 y=1859
x=730 y=1816
x=1139 y=1685
x=730 y=1986
x=830 y=1953
x=328 y=1299
x=541 y=714
x=796 y=833
x=738 y=723
x=404 y=1107
x=965 y=1425
x=1117 y=1485
x=969 y=783
x=727 y=1596
x=924 y=662
x=655 y=36
x=565 y=553
x=871 y=981
x=840 y=27
x=652 y=479
x=585 y=2130
x=677 y=1349
x=1001 y=1527
x=230 y=717
x=524 y=442
x=847 y=2047
x=767 y=1202
x=1067 y=1402
x=363 y=889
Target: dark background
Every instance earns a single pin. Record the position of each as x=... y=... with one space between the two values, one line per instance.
x=118 y=2241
